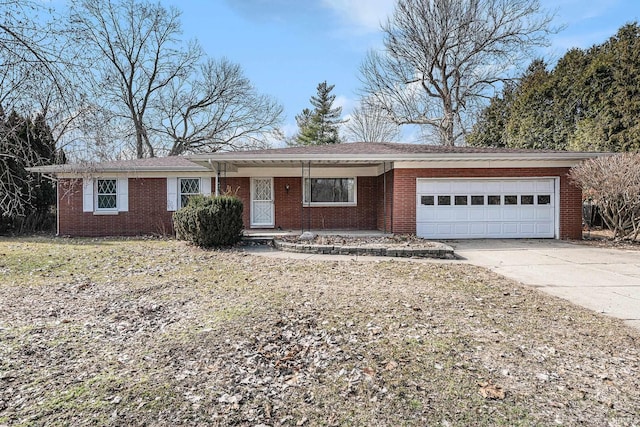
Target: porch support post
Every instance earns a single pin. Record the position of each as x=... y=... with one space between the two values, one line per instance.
x=302 y=201
x=218 y=179
x=384 y=196
x=309 y=202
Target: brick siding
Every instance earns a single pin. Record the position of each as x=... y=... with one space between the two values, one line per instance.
x=147 y=211
x=404 y=188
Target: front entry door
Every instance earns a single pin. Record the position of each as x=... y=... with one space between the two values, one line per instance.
x=262 y=212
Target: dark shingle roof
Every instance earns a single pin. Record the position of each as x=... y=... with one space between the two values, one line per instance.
x=370 y=148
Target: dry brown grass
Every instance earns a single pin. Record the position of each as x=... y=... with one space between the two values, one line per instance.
x=155 y=332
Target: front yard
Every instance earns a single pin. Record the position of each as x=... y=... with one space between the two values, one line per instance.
x=156 y=332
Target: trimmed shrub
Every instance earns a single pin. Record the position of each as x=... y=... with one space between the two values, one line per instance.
x=210 y=221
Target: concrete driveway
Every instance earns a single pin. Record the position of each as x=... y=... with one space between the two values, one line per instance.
x=604 y=280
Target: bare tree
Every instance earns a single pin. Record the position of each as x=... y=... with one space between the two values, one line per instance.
x=136 y=54
x=217 y=107
x=441 y=57
x=613 y=184
x=370 y=123
x=34 y=81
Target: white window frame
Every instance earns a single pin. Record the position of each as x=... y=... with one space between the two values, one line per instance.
x=180 y=193
x=98 y=194
x=329 y=204
x=90 y=195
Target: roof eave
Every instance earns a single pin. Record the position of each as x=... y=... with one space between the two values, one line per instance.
x=397 y=157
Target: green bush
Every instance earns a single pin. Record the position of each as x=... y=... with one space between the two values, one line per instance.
x=210 y=221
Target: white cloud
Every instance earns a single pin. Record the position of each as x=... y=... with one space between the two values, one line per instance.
x=366 y=16
x=346 y=103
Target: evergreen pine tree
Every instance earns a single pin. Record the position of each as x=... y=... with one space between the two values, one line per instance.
x=320 y=125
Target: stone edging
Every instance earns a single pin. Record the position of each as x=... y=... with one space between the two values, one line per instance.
x=440 y=251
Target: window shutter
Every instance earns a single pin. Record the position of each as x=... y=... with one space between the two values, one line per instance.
x=172 y=193
x=87 y=195
x=123 y=194
x=205 y=182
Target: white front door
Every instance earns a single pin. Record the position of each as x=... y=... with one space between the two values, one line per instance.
x=262 y=212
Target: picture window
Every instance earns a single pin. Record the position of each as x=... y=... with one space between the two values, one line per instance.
x=330 y=190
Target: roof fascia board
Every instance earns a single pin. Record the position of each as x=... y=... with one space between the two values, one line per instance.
x=568 y=155
x=444 y=164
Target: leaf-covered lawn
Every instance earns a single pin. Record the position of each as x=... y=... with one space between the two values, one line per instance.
x=156 y=332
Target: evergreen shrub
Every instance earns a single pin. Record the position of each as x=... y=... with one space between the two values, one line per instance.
x=210 y=221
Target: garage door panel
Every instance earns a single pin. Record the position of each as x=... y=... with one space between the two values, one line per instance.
x=477 y=214
x=530 y=217
x=526 y=187
x=460 y=214
x=544 y=186
x=425 y=214
x=510 y=187
x=477 y=228
x=527 y=213
x=544 y=214
x=494 y=213
x=510 y=213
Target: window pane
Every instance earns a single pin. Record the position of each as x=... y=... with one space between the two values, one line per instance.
x=106 y=201
x=477 y=200
x=106 y=186
x=460 y=200
x=526 y=200
x=493 y=200
x=427 y=200
x=189 y=186
x=330 y=190
x=107 y=194
x=510 y=200
x=544 y=199
x=444 y=200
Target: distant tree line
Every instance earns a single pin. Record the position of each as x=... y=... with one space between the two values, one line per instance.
x=590 y=101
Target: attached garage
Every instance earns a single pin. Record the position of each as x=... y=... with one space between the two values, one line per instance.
x=487 y=208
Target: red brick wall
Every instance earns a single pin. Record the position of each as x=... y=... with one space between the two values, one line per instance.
x=240 y=187
x=289 y=214
x=288 y=205
x=404 y=187
x=147 y=211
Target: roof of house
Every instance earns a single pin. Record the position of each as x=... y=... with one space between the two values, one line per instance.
x=347 y=153
x=154 y=164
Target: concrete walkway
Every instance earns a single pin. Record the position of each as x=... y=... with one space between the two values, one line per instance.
x=603 y=280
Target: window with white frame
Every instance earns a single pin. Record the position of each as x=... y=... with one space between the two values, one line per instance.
x=330 y=191
x=106 y=194
x=188 y=187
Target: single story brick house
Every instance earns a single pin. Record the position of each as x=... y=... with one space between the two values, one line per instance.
x=432 y=191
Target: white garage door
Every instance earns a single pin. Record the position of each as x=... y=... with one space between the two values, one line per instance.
x=486 y=208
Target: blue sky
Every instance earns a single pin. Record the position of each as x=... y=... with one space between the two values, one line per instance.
x=287 y=47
